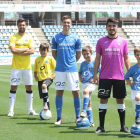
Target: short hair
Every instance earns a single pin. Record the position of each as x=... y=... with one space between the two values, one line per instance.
x=66 y=17
x=136 y=49
x=112 y=19
x=86 y=48
x=44 y=46
x=21 y=20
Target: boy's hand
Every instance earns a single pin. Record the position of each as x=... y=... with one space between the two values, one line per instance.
x=36 y=78
x=132 y=84
x=81 y=79
x=50 y=77
x=91 y=80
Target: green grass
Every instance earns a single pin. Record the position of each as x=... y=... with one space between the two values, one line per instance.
x=25 y=127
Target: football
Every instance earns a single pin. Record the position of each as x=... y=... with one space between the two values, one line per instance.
x=83 y=123
x=45 y=114
x=135 y=130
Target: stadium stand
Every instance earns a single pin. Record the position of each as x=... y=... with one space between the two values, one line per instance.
x=6 y=31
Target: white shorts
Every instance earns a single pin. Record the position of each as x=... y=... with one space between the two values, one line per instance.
x=26 y=75
x=133 y=95
x=90 y=87
x=71 y=78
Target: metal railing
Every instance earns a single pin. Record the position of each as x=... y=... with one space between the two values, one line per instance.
x=11 y=22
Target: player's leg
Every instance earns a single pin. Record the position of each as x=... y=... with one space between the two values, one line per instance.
x=45 y=87
x=28 y=82
x=103 y=93
x=15 y=81
x=119 y=92
x=73 y=85
x=60 y=82
x=137 y=98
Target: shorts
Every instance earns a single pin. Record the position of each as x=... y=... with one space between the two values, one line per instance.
x=90 y=87
x=26 y=75
x=133 y=95
x=48 y=82
x=119 y=89
x=71 y=78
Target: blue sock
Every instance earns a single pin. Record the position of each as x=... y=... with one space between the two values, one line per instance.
x=77 y=105
x=89 y=114
x=58 y=103
x=137 y=110
x=85 y=102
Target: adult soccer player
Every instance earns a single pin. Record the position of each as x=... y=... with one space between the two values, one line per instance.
x=21 y=46
x=114 y=53
x=66 y=50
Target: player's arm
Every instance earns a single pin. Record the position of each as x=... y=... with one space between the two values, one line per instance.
x=96 y=67
x=78 y=55
x=81 y=78
x=54 y=54
x=28 y=52
x=35 y=76
x=127 y=61
x=18 y=50
x=51 y=77
x=130 y=83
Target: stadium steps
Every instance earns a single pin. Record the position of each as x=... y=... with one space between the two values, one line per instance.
x=123 y=35
x=41 y=37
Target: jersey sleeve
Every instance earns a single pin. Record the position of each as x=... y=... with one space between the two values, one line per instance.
x=128 y=74
x=11 y=41
x=54 y=43
x=53 y=63
x=78 y=45
x=125 y=51
x=31 y=43
x=98 y=48
x=35 y=66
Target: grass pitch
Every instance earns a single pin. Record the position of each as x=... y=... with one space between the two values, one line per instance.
x=25 y=127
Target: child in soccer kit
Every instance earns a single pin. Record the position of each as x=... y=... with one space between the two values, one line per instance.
x=43 y=73
x=134 y=72
x=86 y=73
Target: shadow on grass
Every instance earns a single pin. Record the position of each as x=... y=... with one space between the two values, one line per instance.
x=27 y=118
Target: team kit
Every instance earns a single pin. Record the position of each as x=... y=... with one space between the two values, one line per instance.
x=61 y=68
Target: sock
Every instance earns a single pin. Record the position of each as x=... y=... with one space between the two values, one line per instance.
x=59 y=103
x=77 y=105
x=89 y=114
x=137 y=108
x=12 y=99
x=45 y=98
x=102 y=113
x=121 y=111
x=85 y=102
x=29 y=97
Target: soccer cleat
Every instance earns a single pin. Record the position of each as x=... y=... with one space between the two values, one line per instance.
x=137 y=120
x=10 y=114
x=58 y=122
x=99 y=130
x=92 y=124
x=124 y=129
x=83 y=114
x=76 y=119
x=32 y=112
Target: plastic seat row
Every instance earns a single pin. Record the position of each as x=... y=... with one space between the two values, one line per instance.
x=131 y=26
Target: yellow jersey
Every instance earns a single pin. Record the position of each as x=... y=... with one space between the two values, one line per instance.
x=17 y=41
x=44 y=67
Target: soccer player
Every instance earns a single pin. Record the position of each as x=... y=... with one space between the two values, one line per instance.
x=21 y=46
x=88 y=87
x=114 y=53
x=43 y=73
x=66 y=50
x=134 y=72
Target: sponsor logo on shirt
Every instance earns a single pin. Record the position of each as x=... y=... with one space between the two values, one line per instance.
x=90 y=68
x=26 y=40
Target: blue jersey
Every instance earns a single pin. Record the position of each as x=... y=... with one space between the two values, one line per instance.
x=66 y=46
x=87 y=71
x=134 y=72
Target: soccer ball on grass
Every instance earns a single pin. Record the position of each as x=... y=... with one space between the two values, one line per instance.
x=45 y=114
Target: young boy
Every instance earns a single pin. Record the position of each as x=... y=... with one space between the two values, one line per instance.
x=43 y=73
x=86 y=73
x=134 y=72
